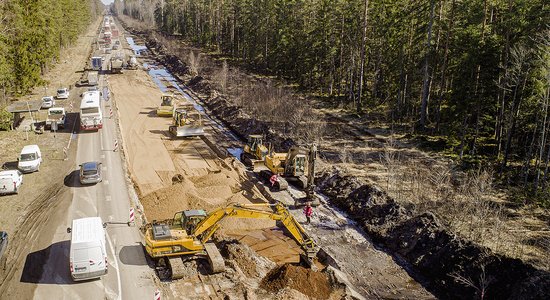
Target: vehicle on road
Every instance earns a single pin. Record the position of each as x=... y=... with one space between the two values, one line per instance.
x=116 y=64
x=91 y=117
x=10 y=181
x=48 y=101
x=97 y=63
x=88 y=254
x=90 y=172
x=3 y=243
x=63 y=93
x=189 y=232
x=56 y=115
x=29 y=159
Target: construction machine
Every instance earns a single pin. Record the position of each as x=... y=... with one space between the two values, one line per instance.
x=188 y=234
x=254 y=152
x=297 y=165
x=186 y=123
x=167 y=106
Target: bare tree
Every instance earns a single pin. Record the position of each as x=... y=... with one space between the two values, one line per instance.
x=480 y=285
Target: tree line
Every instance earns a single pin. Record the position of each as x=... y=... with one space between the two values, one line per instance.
x=32 y=33
x=475 y=73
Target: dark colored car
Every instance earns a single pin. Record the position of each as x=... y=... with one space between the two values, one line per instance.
x=90 y=172
x=3 y=242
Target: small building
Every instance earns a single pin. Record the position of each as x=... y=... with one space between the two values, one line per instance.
x=22 y=109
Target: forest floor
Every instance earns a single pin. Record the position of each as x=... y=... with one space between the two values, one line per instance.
x=466 y=203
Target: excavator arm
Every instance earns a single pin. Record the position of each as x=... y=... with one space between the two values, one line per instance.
x=206 y=228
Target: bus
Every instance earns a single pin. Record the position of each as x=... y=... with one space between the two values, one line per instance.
x=90 y=111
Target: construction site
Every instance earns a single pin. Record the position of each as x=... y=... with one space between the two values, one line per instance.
x=229 y=207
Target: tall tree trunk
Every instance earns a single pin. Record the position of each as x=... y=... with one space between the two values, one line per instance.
x=425 y=85
x=442 y=85
x=363 y=54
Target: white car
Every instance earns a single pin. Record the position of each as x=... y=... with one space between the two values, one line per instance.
x=10 y=181
x=63 y=93
x=48 y=101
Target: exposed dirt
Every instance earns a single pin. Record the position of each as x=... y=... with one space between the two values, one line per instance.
x=416 y=239
x=306 y=281
x=438 y=254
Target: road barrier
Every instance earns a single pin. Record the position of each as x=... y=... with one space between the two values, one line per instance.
x=132 y=215
x=110 y=113
x=116 y=146
x=157 y=295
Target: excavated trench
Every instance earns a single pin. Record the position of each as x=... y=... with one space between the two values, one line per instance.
x=417 y=238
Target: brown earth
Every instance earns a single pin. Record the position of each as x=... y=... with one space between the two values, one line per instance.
x=308 y=282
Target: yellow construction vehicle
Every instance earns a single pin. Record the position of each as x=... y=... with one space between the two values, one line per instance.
x=254 y=152
x=186 y=122
x=297 y=165
x=167 y=106
x=189 y=232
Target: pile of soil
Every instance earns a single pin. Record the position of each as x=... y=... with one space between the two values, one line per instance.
x=435 y=252
x=306 y=281
x=210 y=191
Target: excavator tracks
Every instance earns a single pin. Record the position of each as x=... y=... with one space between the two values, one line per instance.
x=176 y=266
x=217 y=264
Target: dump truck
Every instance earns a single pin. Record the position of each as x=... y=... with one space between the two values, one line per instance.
x=116 y=64
x=188 y=234
x=186 y=123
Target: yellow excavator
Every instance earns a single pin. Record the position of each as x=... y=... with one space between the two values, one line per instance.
x=297 y=165
x=167 y=106
x=187 y=122
x=254 y=152
x=189 y=232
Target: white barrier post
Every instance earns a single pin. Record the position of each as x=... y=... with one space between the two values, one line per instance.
x=157 y=295
x=116 y=146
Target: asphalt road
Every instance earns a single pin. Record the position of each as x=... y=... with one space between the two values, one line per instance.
x=129 y=276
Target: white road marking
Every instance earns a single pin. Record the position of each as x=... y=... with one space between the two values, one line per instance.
x=115 y=266
x=106 y=182
x=108 y=198
x=103 y=156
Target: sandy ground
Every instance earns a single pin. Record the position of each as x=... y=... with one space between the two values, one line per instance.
x=43 y=195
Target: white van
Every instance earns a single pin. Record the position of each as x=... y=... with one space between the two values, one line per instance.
x=30 y=159
x=10 y=181
x=88 y=256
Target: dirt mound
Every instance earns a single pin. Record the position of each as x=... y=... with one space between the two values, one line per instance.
x=436 y=253
x=306 y=281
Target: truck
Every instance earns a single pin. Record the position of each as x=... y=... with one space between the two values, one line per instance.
x=116 y=64
x=56 y=115
x=93 y=78
x=87 y=254
x=97 y=63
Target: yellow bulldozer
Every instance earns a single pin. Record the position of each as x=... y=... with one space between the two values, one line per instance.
x=254 y=152
x=187 y=122
x=167 y=106
x=188 y=234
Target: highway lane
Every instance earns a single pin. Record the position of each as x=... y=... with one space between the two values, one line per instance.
x=129 y=275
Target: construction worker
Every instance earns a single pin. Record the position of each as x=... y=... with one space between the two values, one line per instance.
x=308 y=211
x=273 y=179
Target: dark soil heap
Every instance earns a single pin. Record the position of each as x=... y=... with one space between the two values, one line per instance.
x=306 y=281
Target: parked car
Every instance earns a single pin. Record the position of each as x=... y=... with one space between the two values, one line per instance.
x=3 y=242
x=63 y=93
x=90 y=172
x=30 y=159
x=10 y=181
x=48 y=101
